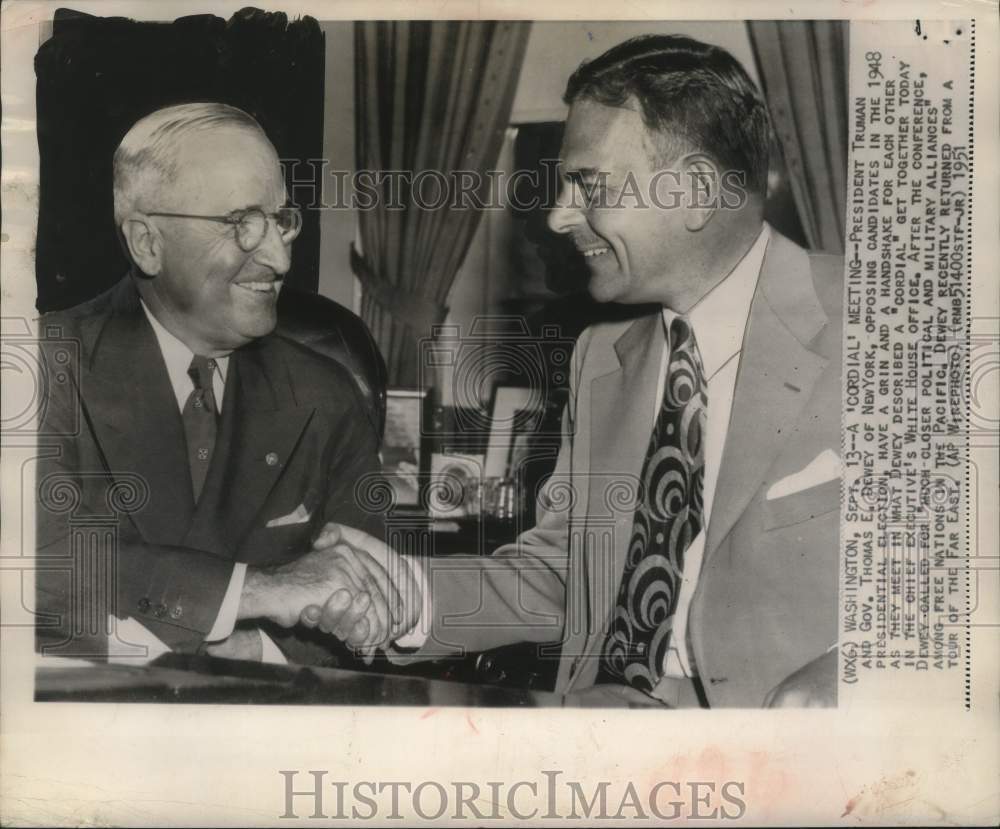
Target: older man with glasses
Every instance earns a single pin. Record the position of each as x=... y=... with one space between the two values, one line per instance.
x=234 y=444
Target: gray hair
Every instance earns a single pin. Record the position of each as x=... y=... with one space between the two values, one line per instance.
x=147 y=157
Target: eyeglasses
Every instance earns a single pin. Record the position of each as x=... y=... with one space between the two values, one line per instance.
x=250 y=224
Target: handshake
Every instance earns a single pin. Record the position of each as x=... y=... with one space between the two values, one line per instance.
x=349 y=585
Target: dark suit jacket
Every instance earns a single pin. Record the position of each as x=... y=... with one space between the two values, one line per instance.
x=766 y=599
x=118 y=529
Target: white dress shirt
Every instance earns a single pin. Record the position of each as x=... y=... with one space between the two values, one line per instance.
x=177 y=357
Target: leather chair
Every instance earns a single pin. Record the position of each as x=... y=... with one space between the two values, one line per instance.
x=330 y=329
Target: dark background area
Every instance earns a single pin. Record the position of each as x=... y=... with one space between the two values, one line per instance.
x=98 y=76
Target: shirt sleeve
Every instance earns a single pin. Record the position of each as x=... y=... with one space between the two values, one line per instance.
x=418 y=634
x=225 y=622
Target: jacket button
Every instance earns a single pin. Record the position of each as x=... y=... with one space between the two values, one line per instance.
x=143 y=604
x=175 y=613
x=160 y=611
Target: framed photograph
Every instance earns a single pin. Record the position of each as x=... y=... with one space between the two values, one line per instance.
x=515 y=409
x=404 y=460
x=522 y=431
x=455 y=485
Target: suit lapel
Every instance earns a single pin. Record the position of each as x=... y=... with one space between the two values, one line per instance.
x=260 y=426
x=776 y=376
x=132 y=410
x=622 y=403
x=138 y=428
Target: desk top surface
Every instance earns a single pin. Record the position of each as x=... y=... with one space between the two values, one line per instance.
x=203 y=679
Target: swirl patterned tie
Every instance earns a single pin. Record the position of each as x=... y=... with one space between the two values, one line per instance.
x=667 y=519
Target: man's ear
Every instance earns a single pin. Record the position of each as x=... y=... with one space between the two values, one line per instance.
x=704 y=183
x=145 y=245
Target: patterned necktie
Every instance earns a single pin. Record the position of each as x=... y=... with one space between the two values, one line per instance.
x=667 y=519
x=199 y=416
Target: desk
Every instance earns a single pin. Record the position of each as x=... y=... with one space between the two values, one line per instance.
x=204 y=679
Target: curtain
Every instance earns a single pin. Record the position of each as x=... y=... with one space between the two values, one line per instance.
x=431 y=97
x=803 y=67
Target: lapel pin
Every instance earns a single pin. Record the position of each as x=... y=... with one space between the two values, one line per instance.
x=271 y=459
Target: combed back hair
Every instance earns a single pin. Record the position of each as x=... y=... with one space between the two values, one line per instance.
x=692 y=96
x=148 y=157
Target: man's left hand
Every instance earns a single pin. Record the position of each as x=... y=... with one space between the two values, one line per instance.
x=812 y=686
x=379 y=568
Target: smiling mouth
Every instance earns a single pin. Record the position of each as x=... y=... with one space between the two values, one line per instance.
x=264 y=287
x=592 y=252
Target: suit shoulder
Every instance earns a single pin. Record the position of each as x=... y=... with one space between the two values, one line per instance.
x=77 y=316
x=315 y=376
x=304 y=358
x=828 y=282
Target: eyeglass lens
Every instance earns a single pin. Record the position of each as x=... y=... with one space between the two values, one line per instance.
x=252 y=227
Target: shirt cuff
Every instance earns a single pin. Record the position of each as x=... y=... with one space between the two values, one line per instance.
x=225 y=622
x=270 y=653
x=419 y=633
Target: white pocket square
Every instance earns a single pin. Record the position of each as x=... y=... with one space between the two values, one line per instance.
x=824 y=467
x=297 y=516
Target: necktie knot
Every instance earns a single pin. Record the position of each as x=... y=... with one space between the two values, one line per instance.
x=200 y=371
x=680 y=331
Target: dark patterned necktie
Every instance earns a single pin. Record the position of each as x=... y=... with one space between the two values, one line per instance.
x=200 y=426
x=667 y=519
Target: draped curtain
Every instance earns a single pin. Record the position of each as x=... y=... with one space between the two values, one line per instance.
x=803 y=67
x=435 y=97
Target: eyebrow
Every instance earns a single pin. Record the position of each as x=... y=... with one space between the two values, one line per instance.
x=261 y=207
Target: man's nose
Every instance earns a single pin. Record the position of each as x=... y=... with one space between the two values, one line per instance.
x=567 y=213
x=273 y=251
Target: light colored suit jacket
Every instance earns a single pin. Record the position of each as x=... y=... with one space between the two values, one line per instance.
x=765 y=603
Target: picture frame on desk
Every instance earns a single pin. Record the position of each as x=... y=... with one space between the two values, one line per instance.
x=455 y=489
x=405 y=452
x=516 y=410
x=523 y=430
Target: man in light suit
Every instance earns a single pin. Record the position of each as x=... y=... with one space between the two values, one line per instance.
x=686 y=548
x=190 y=455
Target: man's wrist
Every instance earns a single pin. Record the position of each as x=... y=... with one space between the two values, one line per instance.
x=416 y=635
x=258 y=589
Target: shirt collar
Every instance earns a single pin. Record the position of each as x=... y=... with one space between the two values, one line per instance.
x=719 y=319
x=178 y=357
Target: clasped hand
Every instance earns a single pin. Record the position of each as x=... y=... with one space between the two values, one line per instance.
x=349 y=585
